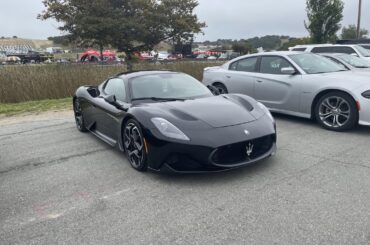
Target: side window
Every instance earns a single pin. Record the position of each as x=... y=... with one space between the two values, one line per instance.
x=273 y=64
x=299 y=49
x=323 y=50
x=116 y=86
x=248 y=65
x=337 y=62
x=344 y=50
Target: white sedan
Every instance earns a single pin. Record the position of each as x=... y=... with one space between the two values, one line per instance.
x=300 y=84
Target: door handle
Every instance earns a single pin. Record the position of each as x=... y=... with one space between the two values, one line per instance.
x=259 y=81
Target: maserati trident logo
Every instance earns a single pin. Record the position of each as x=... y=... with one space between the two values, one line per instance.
x=249 y=149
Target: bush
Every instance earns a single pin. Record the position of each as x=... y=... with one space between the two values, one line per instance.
x=38 y=82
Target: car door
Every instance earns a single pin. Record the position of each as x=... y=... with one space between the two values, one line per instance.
x=273 y=88
x=240 y=77
x=108 y=116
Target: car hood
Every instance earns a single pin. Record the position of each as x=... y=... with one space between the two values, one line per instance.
x=215 y=111
x=348 y=79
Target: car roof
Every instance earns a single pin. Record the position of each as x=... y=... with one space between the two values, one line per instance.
x=132 y=74
x=279 y=53
x=332 y=54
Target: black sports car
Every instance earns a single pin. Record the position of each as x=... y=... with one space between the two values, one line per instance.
x=169 y=121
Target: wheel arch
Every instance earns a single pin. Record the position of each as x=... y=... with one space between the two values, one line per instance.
x=322 y=93
x=215 y=83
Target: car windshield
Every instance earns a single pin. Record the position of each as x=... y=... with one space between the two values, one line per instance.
x=167 y=86
x=363 y=51
x=314 y=64
x=355 y=61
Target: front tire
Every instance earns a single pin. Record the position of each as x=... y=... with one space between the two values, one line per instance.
x=79 y=118
x=133 y=142
x=336 y=111
x=221 y=88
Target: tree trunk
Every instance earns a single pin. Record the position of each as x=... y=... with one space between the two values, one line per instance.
x=129 y=61
x=101 y=48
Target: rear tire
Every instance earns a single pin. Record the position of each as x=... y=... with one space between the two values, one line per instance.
x=221 y=88
x=336 y=111
x=134 y=145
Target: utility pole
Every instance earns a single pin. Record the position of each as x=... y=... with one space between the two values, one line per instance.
x=359 y=19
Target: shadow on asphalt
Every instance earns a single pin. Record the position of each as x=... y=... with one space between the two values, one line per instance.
x=358 y=130
x=218 y=177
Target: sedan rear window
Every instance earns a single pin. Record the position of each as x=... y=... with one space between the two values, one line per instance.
x=247 y=65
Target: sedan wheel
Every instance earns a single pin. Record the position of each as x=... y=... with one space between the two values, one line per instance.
x=221 y=88
x=80 y=123
x=337 y=111
x=133 y=141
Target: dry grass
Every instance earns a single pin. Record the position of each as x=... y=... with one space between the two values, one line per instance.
x=40 y=82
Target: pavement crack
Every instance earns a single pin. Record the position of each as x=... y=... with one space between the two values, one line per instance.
x=52 y=162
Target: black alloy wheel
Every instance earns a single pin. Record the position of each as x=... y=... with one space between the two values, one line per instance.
x=80 y=123
x=134 y=145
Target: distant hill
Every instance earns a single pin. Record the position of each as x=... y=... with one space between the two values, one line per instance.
x=34 y=43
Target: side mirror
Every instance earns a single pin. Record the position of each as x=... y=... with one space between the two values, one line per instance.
x=111 y=99
x=288 y=70
x=213 y=90
x=354 y=54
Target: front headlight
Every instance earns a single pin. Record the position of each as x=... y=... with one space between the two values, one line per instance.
x=366 y=94
x=168 y=129
x=264 y=108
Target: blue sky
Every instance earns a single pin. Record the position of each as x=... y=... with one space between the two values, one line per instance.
x=225 y=19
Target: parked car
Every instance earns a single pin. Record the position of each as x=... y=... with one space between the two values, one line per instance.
x=212 y=57
x=300 y=84
x=169 y=121
x=163 y=55
x=351 y=49
x=350 y=62
x=201 y=57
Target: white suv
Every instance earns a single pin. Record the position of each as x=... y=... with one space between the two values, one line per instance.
x=334 y=48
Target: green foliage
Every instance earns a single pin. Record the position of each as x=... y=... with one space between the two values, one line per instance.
x=242 y=47
x=324 y=17
x=295 y=41
x=60 y=40
x=128 y=25
x=35 y=106
x=269 y=42
x=350 y=32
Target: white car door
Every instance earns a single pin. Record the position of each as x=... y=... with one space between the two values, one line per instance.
x=277 y=90
x=240 y=77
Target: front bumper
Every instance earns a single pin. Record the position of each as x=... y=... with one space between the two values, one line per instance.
x=364 y=112
x=214 y=149
x=188 y=165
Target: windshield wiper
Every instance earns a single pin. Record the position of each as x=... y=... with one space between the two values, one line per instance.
x=158 y=99
x=362 y=66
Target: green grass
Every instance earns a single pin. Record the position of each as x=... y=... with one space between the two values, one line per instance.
x=10 y=109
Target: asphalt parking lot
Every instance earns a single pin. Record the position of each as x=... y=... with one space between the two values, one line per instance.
x=59 y=186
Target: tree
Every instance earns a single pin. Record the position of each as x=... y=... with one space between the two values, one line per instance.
x=324 y=17
x=295 y=41
x=350 y=32
x=128 y=25
x=242 y=47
